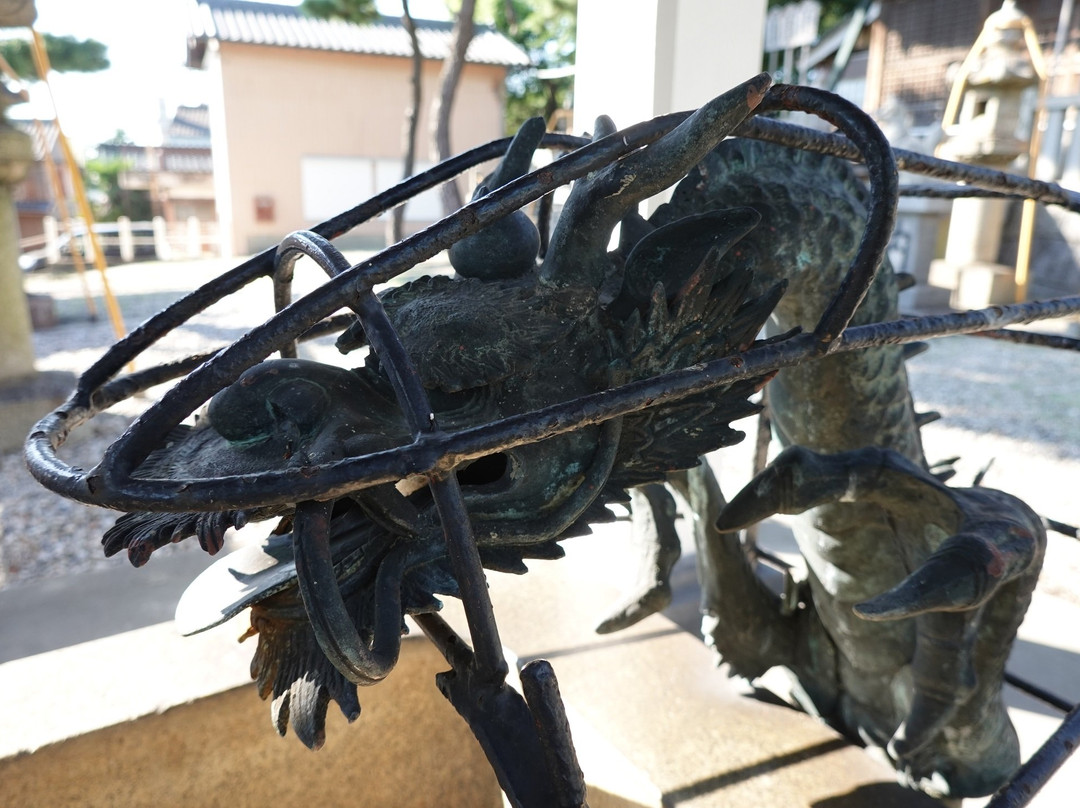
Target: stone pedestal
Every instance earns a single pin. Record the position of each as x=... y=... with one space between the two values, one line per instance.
x=17 y=358
x=969 y=274
x=25 y=395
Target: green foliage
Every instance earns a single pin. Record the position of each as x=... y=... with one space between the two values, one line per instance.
x=119 y=138
x=103 y=175
x=66 y=54
x=348 y=10
x=547 y=30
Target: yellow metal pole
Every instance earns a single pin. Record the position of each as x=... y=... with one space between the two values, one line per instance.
x=1027 y=217
x=65 y=216
x=41 y=63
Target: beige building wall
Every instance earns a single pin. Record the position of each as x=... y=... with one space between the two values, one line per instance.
x=307 y=134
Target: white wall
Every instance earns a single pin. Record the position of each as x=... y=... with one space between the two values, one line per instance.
x=637 y=59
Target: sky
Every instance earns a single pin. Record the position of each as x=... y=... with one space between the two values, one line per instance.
x=147 y=47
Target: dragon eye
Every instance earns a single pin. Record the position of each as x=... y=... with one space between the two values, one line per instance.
x=258 y=405
x=301 y=402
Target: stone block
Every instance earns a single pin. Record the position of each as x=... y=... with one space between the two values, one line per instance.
x=42 y=311
x=149 y=718
x=983 y=284
x=25 y=401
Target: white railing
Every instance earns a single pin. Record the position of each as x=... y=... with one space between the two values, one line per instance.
x=127 y=240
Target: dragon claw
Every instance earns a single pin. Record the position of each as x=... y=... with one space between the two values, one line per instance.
x=959 y=576
x=971 y=557
x=797 y=480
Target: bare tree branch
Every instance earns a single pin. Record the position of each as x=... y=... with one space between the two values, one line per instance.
x=444 y=101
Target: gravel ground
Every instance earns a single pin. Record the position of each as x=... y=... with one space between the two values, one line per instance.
x=1014 y=407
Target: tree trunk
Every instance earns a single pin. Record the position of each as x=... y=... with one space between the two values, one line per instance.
x=441 y=106
x=411 y=117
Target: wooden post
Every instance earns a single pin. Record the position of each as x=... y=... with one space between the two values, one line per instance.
x=52 y=240
x=194 y=237
x=127 y=240
x=161 y=239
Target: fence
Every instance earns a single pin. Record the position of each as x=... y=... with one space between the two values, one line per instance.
x=125 y=240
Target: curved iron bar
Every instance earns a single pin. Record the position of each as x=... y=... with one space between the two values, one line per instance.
x=1041 y=766
x=283 y=277
x=943 y=191
x=1032 y=338
x=799 y=137
x=113 y=475
x=881 y=215
x=1039 y=693
x=52 y=430
x=326 y=611
x=1071 y=531
x=331 y=325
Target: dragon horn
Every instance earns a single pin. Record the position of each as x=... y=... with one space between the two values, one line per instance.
x=517 y=160
x=577 y=254
x=507 y=247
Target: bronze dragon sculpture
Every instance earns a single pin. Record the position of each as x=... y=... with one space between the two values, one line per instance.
x=915 y=589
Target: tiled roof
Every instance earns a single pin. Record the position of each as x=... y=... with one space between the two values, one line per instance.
x=177 y=159
x=189 y=127
x=288 y=26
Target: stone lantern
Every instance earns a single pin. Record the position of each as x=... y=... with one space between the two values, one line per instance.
x=984 y=125
x=999 y=72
